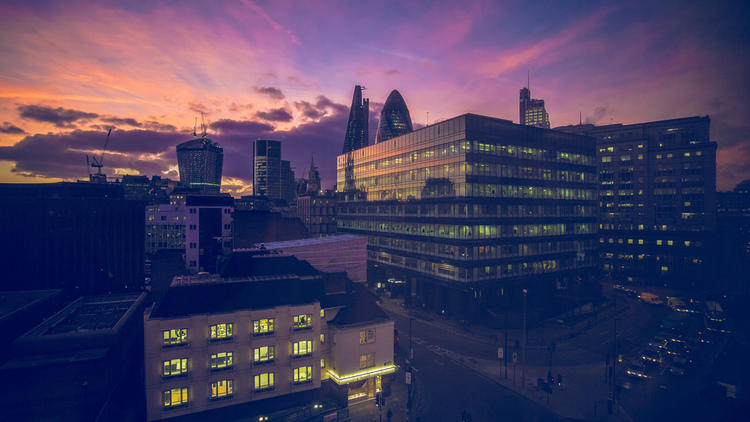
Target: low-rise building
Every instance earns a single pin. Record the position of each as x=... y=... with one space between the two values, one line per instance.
x=318 y=213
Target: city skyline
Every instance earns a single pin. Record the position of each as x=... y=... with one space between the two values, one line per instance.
x=263 y=71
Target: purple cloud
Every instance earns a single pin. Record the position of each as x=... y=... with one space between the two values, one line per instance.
x=275 y=115
x=270 y=91
x=11 y=129
x=61 y=117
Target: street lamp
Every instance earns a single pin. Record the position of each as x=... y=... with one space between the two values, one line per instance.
x=523 y=341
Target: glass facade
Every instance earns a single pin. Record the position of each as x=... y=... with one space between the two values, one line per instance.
x=394 y=118
x=474 y=199
x=200 y=163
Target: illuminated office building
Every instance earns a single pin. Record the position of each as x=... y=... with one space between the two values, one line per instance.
x=657 y=199
x=532 y=111
x=394 y=118
x=200 y=163
x=466 y=209
x=267 y=168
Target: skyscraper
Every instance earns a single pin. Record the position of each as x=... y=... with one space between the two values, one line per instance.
x=288 y=185
x=532 y=111
x=657 y=196
x=394 y=119
x=357 y=133
x=313 y=177
x=200 y=163
x=267 y=168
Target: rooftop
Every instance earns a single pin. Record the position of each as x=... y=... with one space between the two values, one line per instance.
x=88 y=314
x=226 y=297
x=362 y=308
x=248 y=263
x=313 y=241
x=16 y=301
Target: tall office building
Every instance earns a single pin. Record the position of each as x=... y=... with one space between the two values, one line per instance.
x=200 y=163
x=357 y=131
x=267 y=168
x=473 y=208
x=657 y=198
x=532 y=111
x=394 y=119
x=288 y=184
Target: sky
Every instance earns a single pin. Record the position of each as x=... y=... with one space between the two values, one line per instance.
x=286 y=70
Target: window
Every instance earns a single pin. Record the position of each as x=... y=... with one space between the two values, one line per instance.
x=303 y=375
x=367 y=360
x=174 y=367
x=264 y=381
x=175 y=397
x=263 y=327
x=175 y=336
x=322 y=363
x=300 y=322
x=221 y=360
x=322 y=313
x=192 y=211
x=221 y=388
x=263 y=354
x=302 y=348
x=220 y=331
x=193 y=245
x=367 y=336
x=322 y=338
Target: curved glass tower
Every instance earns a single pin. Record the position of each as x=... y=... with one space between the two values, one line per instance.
x=394 y=119
x=200 y=163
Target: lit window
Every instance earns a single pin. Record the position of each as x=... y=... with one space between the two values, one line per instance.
x=175 y=397
x=220 y=331
x=175 y=336
x=303 y=375
x=302 y=348
x=367 y=336
x=664 y=269
x=670 y=242
x=221 y=388
x=687 y=243
x=367 y=360
x=174 y=367
x=322 y=338
x=263 y=326
x=659 y=242
x=263 y=354
x=264 y=381
x=630 y=241
x=322 y=313
x=303 y=321
x=322 y=363
x=221 y=360
x=640 y=241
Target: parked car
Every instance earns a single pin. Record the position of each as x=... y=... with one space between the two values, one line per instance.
x=650 y=298
x=651 y=356
x=637 y=370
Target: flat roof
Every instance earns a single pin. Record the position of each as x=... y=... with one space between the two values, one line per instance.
x=88 y=314
x=309 y=241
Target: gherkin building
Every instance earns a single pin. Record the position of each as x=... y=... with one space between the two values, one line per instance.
x=394 y=119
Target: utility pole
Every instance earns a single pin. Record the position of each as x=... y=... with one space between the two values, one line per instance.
x=505 y=351
x=523 y=342
x=614 y=367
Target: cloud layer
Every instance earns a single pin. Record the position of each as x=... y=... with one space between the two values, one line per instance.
x=285 y=70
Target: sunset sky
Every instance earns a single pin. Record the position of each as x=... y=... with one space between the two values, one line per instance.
x=286 y=70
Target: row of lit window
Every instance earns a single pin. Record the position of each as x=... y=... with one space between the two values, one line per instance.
x=659 y=242
x=480 y=231
x=177 y=397
x=481 y=252
x=225 y=331
x=224 y=360
x=453 y=210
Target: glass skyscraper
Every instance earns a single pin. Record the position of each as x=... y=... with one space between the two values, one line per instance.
x=267 y=168
x=394 y=118
x=469 y=208
x=200 y=163
x=532 y=111
x=357 y=130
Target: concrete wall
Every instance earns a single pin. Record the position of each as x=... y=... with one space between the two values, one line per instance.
x=346 y=350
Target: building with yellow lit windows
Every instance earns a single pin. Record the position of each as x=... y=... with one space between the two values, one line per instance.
x=254 y=340
x=463 y=211
x=657 y=199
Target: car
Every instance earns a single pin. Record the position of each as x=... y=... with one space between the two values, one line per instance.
x=658 y=343
x=650 y=298
x=637 y=370
x=677 y=348
x=651 y=356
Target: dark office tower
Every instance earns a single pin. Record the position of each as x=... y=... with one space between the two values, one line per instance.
x=460 y=213
x=657 y=197
x=394 y=119
x=267 y=168
x=200 y=163
x=83 y=238
x=288 y=185
x=532 y=111
x=357 y=133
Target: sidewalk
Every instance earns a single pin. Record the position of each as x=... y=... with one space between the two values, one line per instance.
x=583 y=393
x=367 y=411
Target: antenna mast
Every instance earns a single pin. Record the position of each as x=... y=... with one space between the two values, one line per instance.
x=203 y=125
x=195 y=125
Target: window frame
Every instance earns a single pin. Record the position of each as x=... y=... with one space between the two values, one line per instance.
x=297 y=374
x=214 y=393
x=184 y=395
x=270 y=378
x=270 y=327
x=296 y=349
x=213 y=331
x=174 y=337
x=213 y=361
x=183 y=362
x=298 y=324
x=270 y=354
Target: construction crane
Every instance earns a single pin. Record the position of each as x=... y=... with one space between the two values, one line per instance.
x=98 y=177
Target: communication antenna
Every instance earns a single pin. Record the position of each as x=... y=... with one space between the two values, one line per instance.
x=203 y=124
x=428 y=118
x=528 y=80
x=580 y=118
x=195 y=125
